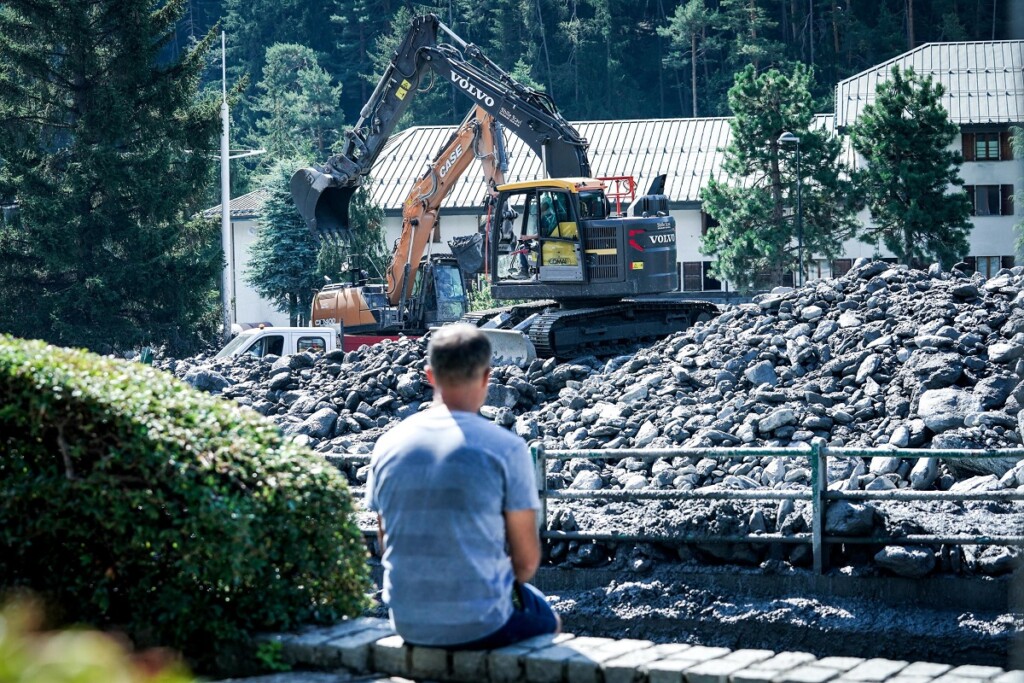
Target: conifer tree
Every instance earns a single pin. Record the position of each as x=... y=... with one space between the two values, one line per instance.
x=912 y=178
x=105 y=151
x=756 y=238
x=283 y=259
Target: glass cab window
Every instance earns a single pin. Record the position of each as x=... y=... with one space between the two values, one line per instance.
x=311 y=344
x=269 y=345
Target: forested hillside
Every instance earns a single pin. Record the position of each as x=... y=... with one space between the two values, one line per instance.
x=601 y=59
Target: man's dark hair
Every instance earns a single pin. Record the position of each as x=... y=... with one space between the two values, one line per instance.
x=458 y=353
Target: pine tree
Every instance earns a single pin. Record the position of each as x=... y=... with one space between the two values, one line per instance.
x=298 y=108
x=104 y=150
x=686 y=30
x=283 y=259
x=756 y=238
x=904 y=136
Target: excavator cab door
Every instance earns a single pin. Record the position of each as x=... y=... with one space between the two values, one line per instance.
x=438 y=294
x=548 y=234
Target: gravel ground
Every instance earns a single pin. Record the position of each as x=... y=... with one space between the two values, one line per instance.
x=883 y=357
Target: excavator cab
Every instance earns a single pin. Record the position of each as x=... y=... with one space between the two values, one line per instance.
x=438 y=293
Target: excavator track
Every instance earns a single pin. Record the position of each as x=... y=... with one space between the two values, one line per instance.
x=519 y=313
x=567 y=333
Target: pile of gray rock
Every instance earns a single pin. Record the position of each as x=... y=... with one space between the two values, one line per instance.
x=883 y=356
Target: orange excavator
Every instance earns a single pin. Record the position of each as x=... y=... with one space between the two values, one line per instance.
x=419 y=292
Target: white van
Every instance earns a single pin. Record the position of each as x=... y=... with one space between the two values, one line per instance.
x=281 y=341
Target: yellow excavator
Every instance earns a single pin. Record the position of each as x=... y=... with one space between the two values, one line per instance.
x=589 y=282
x=419 y=291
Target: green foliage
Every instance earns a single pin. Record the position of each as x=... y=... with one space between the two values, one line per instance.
x=283 y=259
x=269 y=656
x=131 y=500
x=756 y=238
x=99 y=141
x=298 y=108
x=27 y=656
x=904 y=135
x=365 y=247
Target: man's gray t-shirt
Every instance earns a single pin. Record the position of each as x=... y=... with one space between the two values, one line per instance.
x=441 y=482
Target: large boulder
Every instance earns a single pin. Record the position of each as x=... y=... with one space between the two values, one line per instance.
x=948 y=408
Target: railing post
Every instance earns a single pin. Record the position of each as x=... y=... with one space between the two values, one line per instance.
x=541 y=474
x=819 y=485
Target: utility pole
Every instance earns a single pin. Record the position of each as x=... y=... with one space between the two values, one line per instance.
x=225 y=196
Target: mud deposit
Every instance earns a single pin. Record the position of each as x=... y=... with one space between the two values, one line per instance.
x=931 y=620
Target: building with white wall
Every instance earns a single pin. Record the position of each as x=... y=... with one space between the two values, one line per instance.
x=984 y=95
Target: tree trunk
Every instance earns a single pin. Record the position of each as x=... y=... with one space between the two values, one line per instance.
x=910 y=25
x=693 y=70
x=293 y=309
x=810 y=28
x=544 y=46
x=835 y=28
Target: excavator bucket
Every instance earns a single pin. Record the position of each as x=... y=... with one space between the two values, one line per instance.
x=321 y=203
x=510 y=347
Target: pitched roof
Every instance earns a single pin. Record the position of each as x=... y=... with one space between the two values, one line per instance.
x=984 y=81
x=688 y=150
x=246 y=206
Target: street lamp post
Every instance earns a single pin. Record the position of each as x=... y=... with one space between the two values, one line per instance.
x=788 y=138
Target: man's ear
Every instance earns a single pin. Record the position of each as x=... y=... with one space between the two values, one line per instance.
x=487 y=376
x=430 y=377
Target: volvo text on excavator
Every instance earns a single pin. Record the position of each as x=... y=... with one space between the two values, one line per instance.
x=588 y=280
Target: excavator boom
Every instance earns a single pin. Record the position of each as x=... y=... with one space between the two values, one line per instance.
x=322 y=193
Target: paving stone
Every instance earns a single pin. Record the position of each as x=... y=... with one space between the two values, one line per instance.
x=355 y=648
x=978 y=672
x=900 y=678
x=587 y=665
x=505 y=665
x=807 y=673
x=632 y=666
x=770 y=668
x=930 y=669
x=327 y=654
x=429 y=662
x=841 y=663
x=719 y=670
x=469 y=666
x=391 y=656
x=702 y=653
x=877 y=669
x=1016 y=676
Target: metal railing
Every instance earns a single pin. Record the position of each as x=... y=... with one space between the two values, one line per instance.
x=817 y=494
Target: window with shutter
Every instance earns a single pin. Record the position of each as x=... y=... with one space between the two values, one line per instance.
x=692 y=272
x=967 y=144
x=986 y=146
x=1006 y=145
x=710 y=283
x=841 y=266
x=986 y=200
x=1007 y=261
x=1006 y=200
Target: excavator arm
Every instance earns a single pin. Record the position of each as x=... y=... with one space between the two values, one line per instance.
x=478 y=137
x=322 y=193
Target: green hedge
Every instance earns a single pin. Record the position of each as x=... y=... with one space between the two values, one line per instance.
x=129 y=500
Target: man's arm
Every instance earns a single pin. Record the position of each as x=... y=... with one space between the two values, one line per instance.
x=380 y=536
x=523 y=542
